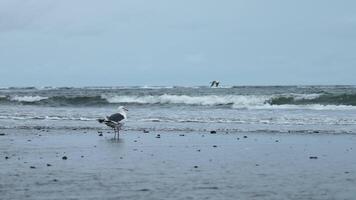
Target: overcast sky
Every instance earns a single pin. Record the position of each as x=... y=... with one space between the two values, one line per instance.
x=177 y=42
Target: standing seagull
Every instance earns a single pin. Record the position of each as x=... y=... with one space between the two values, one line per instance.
x=115 y=120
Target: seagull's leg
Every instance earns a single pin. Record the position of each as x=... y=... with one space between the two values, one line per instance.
x=118 y=131
x=114 y=133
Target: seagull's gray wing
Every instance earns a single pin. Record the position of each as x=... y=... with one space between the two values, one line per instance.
x=117 y=117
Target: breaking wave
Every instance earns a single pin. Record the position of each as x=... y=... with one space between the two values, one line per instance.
x=49 y=118
x=208 y=100
x=27 y=98
x=283 y=101
x=325 y=99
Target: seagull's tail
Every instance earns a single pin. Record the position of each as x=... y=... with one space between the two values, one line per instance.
x=101 y=120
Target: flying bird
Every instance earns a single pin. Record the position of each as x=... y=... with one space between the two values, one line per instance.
x=214 y=83
x=115 y=120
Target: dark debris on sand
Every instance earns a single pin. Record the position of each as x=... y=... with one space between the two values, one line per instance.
x=144 y=190
x=64 y=158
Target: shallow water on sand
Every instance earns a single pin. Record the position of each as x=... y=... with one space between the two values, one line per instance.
x=177 y=165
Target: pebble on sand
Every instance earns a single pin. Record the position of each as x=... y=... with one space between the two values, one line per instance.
x=195 y=166
x=64 y=158
x=6 y=157
x=48 y=165
x=158 y=136
x=313 y=157
x=215 y=146
x=32 y=167
x=212 y=132
x=146 y=131
x=315 y=131
x=100 y=134
x=181 y=135
x=2 y=134
x=245 y=136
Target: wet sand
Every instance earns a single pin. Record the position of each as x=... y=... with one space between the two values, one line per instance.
x=175 y=166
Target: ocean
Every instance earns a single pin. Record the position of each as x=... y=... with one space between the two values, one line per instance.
x=247 y=109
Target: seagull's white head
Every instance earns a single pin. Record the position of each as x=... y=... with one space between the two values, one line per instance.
x=122 y=110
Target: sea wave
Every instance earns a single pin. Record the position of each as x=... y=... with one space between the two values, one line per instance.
x=322 y=99
x=50 y=118
x=282 y=101
x=208 y=100
x=27 y=98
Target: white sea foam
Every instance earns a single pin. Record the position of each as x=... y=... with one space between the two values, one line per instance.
x=208 y=100
x=54 y=118
x=27 y=98
x=305 y=96
x=304 y=107
x=236 y=101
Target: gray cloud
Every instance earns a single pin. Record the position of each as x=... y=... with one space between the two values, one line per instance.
x=159 y=42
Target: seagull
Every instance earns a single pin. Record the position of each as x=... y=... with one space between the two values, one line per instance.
x=214 y=83
x=115 y=120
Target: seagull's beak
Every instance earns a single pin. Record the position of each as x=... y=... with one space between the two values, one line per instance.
x=125 y=109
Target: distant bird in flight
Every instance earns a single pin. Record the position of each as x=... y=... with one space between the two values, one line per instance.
x=214 y=83
x=115 y=120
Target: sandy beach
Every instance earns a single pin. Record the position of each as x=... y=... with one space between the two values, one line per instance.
x=191 y=165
